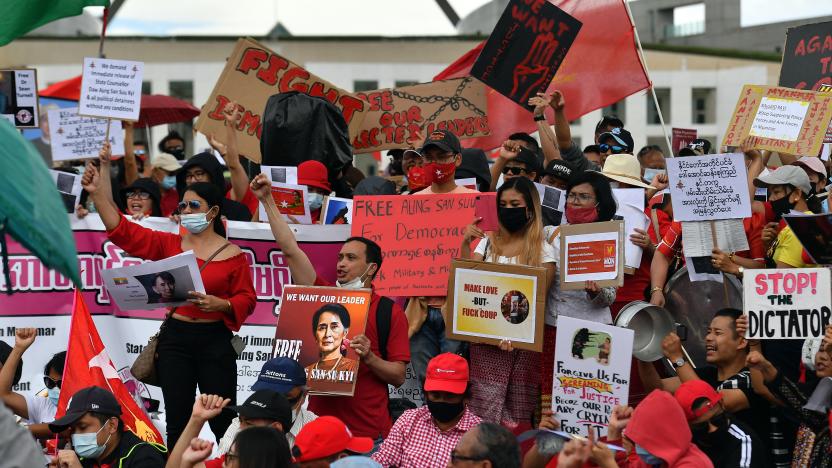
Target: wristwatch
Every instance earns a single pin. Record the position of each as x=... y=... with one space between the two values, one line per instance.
x=679 y=363
x=740 y=272
x=538 y=118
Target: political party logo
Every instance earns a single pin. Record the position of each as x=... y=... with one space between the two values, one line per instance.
x=609 y=255
x=24 y=116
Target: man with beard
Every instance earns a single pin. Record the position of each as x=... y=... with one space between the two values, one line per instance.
x=725 y=440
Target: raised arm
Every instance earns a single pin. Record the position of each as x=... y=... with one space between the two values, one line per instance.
x=303 y=272
x=23 y=338
x=548 y=140
x=562 y=130
x=509 y=151
x=131 y=170
x=230 y=151
x=98 y=186
x=206 y=407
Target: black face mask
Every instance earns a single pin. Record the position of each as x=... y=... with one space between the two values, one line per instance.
x=513 y=219
x=781 y=206
x=445 y=412
x=699 y=430
x=178 y=153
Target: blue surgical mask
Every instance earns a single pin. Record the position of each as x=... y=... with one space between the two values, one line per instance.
x=194 y=222
x=169 y=182
x=648 y=457
x=650 y=173
x=53 y=394
x=316 y=200
x=86 y=445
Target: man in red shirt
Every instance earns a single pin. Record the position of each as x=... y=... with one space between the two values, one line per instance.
x=359 y=260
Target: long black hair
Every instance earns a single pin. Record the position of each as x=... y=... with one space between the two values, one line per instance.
x=603 y=192
x=211 y=194
x=262 y=447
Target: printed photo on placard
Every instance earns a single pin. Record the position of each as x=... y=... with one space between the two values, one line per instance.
x=292 y=201
x=152 y=285
x=69 y=187
x=19 y=97
x=337 y=211
x=320 y=322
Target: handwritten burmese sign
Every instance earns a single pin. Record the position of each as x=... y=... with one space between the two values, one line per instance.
x=783 y=119
x=705 y=188
x=76 y=137
x=111 y=89
x=789 y=303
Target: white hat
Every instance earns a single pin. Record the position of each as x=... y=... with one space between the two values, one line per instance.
x=624 y=168
x=166 y=162
x=785 y=175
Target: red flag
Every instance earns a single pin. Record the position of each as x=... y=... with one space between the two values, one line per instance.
x=88 y=364
x=601 y=68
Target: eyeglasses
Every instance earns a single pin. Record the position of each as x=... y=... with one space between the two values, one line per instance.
x=613 y=148
x=140 y=194
x=51 y=383
x=195 y=175
x=514 y=170
x=193 y=204
x=455 y=457
x=579 y=198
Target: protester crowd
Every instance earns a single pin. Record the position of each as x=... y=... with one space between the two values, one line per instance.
x=746 y=408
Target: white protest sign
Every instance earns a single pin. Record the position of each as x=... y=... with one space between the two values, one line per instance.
x=698 y=239
x=704 y=188
x=69 y=186
x=19 y=97
x=76 y=137
x=631 y=208
x=592 y=374
x=792 y=303
x=779 y=118
x=148 y=286
x=281 y=174
x=111 y=89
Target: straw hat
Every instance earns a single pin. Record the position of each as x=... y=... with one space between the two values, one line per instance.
x=624 y=168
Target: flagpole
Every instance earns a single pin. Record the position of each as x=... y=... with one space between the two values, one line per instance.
x=103 y=32
x=647 y=71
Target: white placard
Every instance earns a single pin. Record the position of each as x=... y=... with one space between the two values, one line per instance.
x=69 y=187
x=698 y=240
x=111 y=88
x=19 y=97
x=779 y=118
x=631 y=208
x=788 y=303
x=151 y=285
x=704 y=188
x=591 y=375
x=290 y=205
x=281 y=174
x=76 y=137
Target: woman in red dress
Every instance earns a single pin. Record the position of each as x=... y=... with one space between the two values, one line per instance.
x=194 y=347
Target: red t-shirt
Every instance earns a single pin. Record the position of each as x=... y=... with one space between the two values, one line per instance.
x=365 y=413
x=216 y=462
x=169 y=202
x=227 y=279
x=249 y=200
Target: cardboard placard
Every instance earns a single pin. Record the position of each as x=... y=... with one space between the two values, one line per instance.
x=788 y=303
x=19 y=97
x=709 y=187
x=318 y=322
x=591 y=252
x=806 y=57
x=77 y=137
x=395 y=115
x=337 y=211
x=490 y=302
x=111 y=89
x=525 y=49
x=814 y=231
x=681 y=138
x=776 y=117
x=591 y=375
x=418 y=235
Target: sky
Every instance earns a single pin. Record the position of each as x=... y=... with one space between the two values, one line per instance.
x=359 y=17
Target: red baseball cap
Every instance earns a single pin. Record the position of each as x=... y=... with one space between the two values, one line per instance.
x=314 y=173
x=327 y=436
x=693 y=390
x=447 y=372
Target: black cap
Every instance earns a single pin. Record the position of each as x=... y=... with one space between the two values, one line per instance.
x=559 y=169
x=266 y=404
x=444 y=139
x=90 y=399
x=621 y=136
x=529 y=158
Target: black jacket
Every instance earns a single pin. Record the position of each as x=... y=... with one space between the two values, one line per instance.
x=132 y=452
x=234 y=211
x=737 y=447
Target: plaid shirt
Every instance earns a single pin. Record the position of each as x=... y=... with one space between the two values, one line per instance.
x=415 y=441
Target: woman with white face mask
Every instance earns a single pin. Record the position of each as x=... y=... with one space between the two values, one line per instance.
x=195 y=344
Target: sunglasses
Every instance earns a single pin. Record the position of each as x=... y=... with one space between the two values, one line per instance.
x=193 y=204
x=514 y=170
x=51 y=383
x=141 y=195
x=614 y=148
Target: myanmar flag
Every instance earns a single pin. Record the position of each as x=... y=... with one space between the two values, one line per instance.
x=18 y=17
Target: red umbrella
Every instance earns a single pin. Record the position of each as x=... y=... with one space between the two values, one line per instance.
x=68 y=89
x=158 y=109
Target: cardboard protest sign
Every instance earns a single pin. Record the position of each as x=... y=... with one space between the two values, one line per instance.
x=491 y=302
x=814 y=232
x=111 y=89
x=591 y=252
x=418 y=235
x=525 y=49
x=709 y=187
x=631 y=208
x=681 y=138
x=337 y=211
x=318 y=324
x=592 y=374
x=783 y=119
x=19 y=97
x=164 y=283
x=791 y=303
x=77 y=137
x=291 y=200
x=395 y=115
x=806 y=63
x=69 y=186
